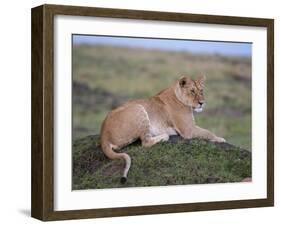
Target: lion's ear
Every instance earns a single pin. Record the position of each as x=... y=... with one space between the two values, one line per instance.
x=202 y=80
x=183 y=81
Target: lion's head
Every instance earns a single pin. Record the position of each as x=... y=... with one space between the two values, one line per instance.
x=191 y=92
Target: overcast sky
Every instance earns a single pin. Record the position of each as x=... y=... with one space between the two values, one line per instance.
x=209 y=47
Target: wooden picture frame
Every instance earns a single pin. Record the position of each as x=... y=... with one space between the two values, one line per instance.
x=42 y=204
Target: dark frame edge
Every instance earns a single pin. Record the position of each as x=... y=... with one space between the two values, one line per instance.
x=270 y=111
x=37 y=185
x=155 y=15
x=42 y=114
x=159 y=209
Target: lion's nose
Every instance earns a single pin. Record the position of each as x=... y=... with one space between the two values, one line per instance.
x=201 y=103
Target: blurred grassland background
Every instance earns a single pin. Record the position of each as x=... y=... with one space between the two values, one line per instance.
x=105 y=75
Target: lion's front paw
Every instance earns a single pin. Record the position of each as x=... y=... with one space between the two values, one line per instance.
x=219 y=139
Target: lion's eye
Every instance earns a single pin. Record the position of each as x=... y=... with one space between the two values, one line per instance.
x=201 y=92
x=193 y=91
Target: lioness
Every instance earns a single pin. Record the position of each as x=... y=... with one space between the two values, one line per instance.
x=152 y=120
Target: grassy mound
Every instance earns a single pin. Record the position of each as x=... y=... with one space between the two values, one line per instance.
x=174 y=162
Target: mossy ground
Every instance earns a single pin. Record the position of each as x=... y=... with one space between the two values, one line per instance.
x=175 y=162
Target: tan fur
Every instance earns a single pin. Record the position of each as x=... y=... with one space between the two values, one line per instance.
x=154 y=119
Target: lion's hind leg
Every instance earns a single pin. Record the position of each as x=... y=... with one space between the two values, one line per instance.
x=148 y=140
x=146 y=136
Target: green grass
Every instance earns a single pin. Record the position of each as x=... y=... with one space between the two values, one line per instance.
x=174 y=162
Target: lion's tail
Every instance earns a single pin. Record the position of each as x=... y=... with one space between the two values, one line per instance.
x=108 y=151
